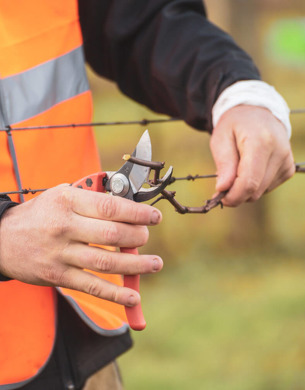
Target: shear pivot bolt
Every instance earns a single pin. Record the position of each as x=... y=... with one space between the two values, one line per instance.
x=119 y=184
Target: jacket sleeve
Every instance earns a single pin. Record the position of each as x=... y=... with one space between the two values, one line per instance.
x=5 y=204
x=164 y=54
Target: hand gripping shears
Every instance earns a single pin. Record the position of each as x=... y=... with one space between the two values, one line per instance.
x=127 y=182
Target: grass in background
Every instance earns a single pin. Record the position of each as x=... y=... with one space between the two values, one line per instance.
x=220 y=316
x=221 y=324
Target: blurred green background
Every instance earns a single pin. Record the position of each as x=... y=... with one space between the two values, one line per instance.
x=228 y=310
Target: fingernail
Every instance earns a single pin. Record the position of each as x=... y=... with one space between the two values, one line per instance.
x=155 y=217
x=157 y=264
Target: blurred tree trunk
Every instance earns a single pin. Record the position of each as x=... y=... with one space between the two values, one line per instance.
x=250 y=221
x=244 y=16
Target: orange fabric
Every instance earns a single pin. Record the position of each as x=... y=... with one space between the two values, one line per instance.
x=104 y=313
x=62 y=155
x=35 y=31
x=32 y=32
x=27 y=324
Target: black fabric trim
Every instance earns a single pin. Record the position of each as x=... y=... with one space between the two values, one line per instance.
x=84 y=352
x=5 y=204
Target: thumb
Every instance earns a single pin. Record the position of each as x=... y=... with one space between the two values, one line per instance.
x=226 y=157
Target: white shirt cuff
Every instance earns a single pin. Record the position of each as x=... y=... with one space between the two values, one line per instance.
x=254 y=93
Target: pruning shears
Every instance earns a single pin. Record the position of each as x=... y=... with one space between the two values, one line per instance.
x=128 y=182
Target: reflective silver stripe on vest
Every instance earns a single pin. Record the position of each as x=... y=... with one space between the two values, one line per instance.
x=36 y=90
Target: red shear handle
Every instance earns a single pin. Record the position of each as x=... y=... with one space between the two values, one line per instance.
x=92 y=182
x=134 y=314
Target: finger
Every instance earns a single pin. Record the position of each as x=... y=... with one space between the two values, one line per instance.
x=112 y=208
x=226 y=157
x=270 y=175
x=251 y=172
x=286 y=171
x=277 y=172
x=110 y=262
x=100 y=232
x=83 y=281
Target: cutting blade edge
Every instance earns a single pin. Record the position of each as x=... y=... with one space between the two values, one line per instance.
x=143 y=151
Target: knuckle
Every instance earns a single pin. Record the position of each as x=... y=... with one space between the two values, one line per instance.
x=107 y=207
x=60 y=222
x=266 y=139
x=251 y=185
x=104 y=263
x=289 y=172
x=135 y=213
x=60 y=227
x=286 y=157
x=143 y=235
x=287 y=153
x=95 y=289
x=111 y=234
x=254 y=198
x=287 y=168
x=115 y=294
x=64 y=196
x=53 y=275
x=290 y=163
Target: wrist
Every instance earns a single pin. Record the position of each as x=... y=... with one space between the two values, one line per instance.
x=253 y=93
x=5 y=204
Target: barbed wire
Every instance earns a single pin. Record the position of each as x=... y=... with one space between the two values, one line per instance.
x=142 y=122
x=168 y=195
x=298 y=111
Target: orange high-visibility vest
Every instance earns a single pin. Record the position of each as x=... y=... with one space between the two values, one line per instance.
x=43 y=82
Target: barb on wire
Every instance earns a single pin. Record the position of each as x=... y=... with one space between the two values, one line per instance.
x=142 y=122
x=300 y=167
x=24 y=191
x=155 y=166
x=170 y=196
x=297 y=111
x=191 y=178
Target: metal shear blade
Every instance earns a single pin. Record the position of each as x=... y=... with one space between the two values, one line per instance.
x=148 y=193
x=127 y=182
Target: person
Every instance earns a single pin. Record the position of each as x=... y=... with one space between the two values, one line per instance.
x=63 y=322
